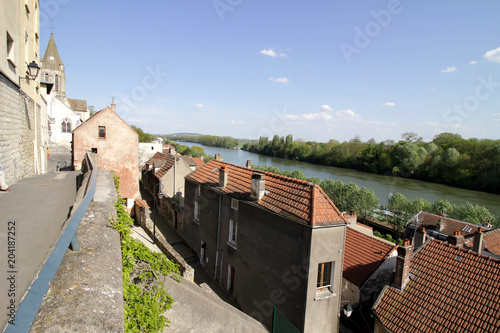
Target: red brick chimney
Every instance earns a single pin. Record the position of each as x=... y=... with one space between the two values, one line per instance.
x=403 y=265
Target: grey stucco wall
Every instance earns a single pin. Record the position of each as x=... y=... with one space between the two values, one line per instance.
x=327 y=245
x=271 y=260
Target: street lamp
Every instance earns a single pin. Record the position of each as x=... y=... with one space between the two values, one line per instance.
x=160 y=196
x=32 y=72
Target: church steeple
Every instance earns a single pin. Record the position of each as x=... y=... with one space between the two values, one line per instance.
x=53 y=70
x=51 y=59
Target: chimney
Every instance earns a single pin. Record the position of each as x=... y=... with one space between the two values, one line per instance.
x=440 y=224
x=258 y=186
x=478 y=242
x=113 y=105
x=420 y=237
x=218 y=157
x=249 y=164
x=457 y=239
x=403 y=265
x=223 y=176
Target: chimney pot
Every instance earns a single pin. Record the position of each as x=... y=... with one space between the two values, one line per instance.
x=249 y=164
x=420 y=237
x=218 y=157
x=457 y=239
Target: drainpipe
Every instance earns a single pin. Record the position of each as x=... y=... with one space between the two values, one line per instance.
x=175 y=174
x=218 y=232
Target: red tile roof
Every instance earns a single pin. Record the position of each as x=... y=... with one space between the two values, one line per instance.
x=141 y=203
x=169 y=163
x=452 y=290
x=291 y=197
x=363 y=255
x=450 y=225
x=199 y=162
x=492 y=241
x=156 y=157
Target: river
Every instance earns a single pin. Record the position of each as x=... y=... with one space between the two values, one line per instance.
x=381 y=185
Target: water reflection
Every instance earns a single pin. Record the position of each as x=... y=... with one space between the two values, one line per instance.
x=381 y=185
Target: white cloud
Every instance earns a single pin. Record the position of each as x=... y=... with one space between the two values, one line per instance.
x=473 y=62
x=326 y=107
x=493 y=55
x=348 y=115
x=292 y=117
x=237 y=122
x=199 y=105
x=449 y=69
x=317 y=116
x=390 y=104
x=279 y=79
x=272 y=53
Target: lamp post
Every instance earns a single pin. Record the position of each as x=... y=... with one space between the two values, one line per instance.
x=160 y=196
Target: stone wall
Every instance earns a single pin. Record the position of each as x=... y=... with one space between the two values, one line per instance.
x=17 y=131
x=172 y=213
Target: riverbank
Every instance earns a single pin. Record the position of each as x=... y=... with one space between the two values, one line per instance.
x=380 y=184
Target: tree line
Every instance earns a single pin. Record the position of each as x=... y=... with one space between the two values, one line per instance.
x=362 y=201
x=210 y=140
x=448 y=158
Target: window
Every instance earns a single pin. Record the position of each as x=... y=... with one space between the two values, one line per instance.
x=102 y=132
x=325 y=272
x=10 y=50
x=196 y=211
x=198 y=191
x=66 y=125
x=234 y=204
x=233 y=232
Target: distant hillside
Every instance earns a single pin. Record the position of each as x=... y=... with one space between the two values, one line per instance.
x=182 y=134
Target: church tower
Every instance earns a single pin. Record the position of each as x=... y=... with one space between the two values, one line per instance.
x=53 y=70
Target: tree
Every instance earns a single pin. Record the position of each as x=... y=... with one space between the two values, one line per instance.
x=92 y=110
x=143 y=137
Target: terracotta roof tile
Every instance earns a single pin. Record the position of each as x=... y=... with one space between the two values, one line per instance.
x=141 y=203
x=363 y=255
x=452 y=290
x=430 y=221
x=286 y=196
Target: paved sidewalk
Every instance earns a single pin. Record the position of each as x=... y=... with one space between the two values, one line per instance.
x=39 y=205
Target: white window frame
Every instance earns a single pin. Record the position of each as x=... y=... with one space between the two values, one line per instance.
x=196 y=211
x=326 y=287
x=233 y=233
x=234 y=204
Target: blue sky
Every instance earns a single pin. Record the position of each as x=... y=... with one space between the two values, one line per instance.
x=319 y=70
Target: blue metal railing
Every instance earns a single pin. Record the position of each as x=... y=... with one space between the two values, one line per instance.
x=29 y=306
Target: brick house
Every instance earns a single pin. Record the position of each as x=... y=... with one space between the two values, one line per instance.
x=269 y=240
x=116 y=144
x=440 y=288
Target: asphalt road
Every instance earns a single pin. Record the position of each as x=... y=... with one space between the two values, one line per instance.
x=32 y=214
